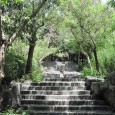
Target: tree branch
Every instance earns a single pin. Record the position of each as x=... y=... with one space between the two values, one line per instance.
x=89 y=35
x=13 y=37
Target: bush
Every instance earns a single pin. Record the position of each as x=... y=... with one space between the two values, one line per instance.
x=36 y=76
x=107 y=59
x=9 y=112
x=14 y=65
x=90 y=72
x=13 y=112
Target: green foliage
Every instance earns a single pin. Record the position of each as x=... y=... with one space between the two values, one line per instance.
x=90 y=72
x=36 y=75
x=15 y=60
x=14 y=65
x=13 y=112
x=9 y=112
x=107 y=57
x=96 y=20
x=112 y=3
x=6 y=1
x=41 y=51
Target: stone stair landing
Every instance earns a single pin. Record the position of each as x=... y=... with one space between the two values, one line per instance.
x=61 y=96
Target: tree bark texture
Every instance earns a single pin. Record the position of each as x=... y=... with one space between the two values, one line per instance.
x=3 y=47
x=96 y=58
x=29 y=60
x=87 y=57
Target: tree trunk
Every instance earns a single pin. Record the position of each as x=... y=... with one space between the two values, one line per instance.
x=82 y=50
x=87 y=56
x=88 y=59
x=3 y=48
x=29 y=60
x=96 y=59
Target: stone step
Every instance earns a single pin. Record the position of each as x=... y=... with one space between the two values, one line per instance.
x=60 y=83
x=78 y=102
x=65 y=108
x=57 y=97
x=59 y=92
x=62 y=79
x=72 y=113
x=55 y=88
x=56 y=74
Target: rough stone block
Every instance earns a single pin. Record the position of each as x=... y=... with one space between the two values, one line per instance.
x=90 y=79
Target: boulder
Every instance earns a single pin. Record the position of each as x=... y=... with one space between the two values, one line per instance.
x=90 y=79
x=10 y=96
x=98 y=88
x=109 y=96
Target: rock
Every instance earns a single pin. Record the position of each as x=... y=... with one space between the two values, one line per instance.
x=98 y=88
x=60 y=66
x=6 y=81
x=10 y=96
x=90 y=79
x=16 y=89
x=109 y=96
x=6 y=100
x=26 y=81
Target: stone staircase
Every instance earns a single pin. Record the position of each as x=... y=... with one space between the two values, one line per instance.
x=65 y=95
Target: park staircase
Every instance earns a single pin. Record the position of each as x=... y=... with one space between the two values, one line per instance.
x=61 y=93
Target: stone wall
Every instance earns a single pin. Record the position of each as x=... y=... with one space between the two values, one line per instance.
x=10 y=96
x=103 y=88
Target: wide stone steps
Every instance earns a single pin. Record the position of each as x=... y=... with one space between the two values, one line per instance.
x=65 y=108
x=76 y=102
x=58 y=92
x=58 y=97
x=56 y=88
x=61 y=96
x=72 y=113
x=58 y=83
x=67 y=74
x=62 y=79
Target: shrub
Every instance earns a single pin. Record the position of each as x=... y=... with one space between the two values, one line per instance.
x=90 y=72
x=36 y=76
x=13 y=112
x=14 y=65
x=107 y=59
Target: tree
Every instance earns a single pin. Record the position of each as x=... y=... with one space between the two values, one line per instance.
x=89 y=22
x=5 y=40
x=32 y=38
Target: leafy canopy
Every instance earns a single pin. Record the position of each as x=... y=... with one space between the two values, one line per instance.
x=6 y=1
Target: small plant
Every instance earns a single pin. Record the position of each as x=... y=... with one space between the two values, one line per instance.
x=36 y=76
x=13 y=112
x=90 y=72
x=8 y=112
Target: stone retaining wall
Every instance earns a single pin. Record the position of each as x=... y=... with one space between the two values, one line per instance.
x=10 y=96
x=103 y=88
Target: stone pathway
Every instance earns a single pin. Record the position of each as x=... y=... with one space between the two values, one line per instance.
x=61 y=95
